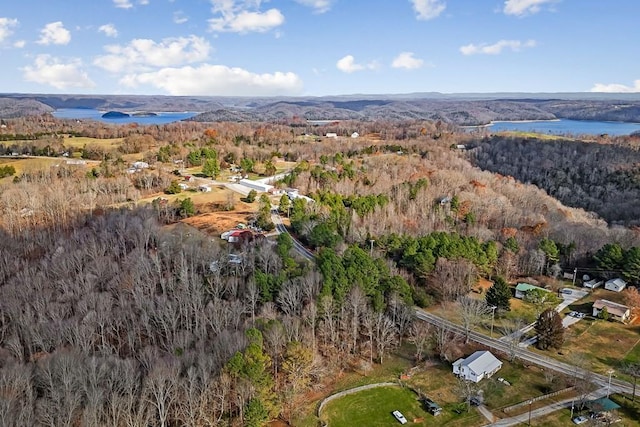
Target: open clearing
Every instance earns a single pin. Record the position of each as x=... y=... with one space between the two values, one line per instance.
x=211 y=217
x=81 y=141
x=374 y=407
x=30 y=164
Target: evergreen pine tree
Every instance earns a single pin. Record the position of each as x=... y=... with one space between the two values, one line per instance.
x=499 y=295
x=549 y=329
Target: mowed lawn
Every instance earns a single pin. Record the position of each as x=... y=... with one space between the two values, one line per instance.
x=374 y=407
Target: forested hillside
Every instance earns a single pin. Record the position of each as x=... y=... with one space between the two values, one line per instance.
x=113 y=311
x=601 y=178
x=457 y=109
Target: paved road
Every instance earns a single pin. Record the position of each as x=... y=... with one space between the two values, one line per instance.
x=545 y=410
x=569 y=296
x=617 y=385
x=297 y=246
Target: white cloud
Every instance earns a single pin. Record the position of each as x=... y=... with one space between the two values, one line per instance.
x=319 y=6
x=348 y=64
x=6 y=28
x=208 y=79
x=109 y=30
x=19 y=44
x=179 y=17
x=407 y=60
x=239 y=16
x=616 y=87
x=143 y=2
x=123 y=4
x=496 y=48
x=51 y=71
x=54 y=33
x=143 y=54
x=524 y=7
x=428 y=9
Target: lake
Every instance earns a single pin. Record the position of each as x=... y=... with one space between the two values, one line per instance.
x=89 y=114
x=568 y=127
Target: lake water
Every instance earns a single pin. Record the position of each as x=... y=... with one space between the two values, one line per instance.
x=567 y=127
x=89 y=114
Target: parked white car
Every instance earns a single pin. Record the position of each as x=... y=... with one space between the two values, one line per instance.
x=580 y=420
x=401 y=419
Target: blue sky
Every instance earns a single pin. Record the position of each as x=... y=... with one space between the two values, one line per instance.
x=318 y=47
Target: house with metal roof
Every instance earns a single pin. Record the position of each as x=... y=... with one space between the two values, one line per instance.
x=523 y=288
x=481 y=364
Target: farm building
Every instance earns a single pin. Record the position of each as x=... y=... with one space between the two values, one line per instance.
x=255 y=185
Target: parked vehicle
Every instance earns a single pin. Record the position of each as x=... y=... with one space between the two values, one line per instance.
x=398 y=415
x=580 y=420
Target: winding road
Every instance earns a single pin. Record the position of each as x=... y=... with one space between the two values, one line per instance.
x=297 y=246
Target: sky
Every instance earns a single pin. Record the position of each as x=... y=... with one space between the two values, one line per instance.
x=318 y=47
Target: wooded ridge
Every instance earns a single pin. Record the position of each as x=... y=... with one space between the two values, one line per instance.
x=461 y=109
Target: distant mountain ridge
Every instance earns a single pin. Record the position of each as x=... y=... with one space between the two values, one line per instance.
x=459 y=109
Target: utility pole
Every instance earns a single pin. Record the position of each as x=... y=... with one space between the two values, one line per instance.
x=575 y=273
x=530 y=403
x=371 y=250
x=493 y=316
x=609 y=385
x=572 y=409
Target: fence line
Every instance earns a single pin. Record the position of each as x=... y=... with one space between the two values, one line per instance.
x=536 y=399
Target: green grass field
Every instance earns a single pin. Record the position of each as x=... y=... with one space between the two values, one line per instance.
x=374 y=407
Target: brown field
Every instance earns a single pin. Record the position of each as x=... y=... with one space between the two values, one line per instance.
x=37 y=163
x=211 y=219
x=81 y=141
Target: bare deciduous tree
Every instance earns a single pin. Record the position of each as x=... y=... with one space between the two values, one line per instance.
x=420 y=335
x=472 y=312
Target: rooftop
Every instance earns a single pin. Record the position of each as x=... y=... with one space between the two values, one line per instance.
x=612 y=307
x=524 y=287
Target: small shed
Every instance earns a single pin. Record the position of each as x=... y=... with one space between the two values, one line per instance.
x=616 y=285
x=592 y=283
x=602 y=405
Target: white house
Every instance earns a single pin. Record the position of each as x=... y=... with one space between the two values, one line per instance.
x=204 y=188
x=616 y=311
x=592 y=284
x=183 y=186
x=615 y=285
x=331 y=135
x=355 y=135
x=481 y=364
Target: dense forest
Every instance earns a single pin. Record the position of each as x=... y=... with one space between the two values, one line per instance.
x=597 y=177
x=114 y=312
